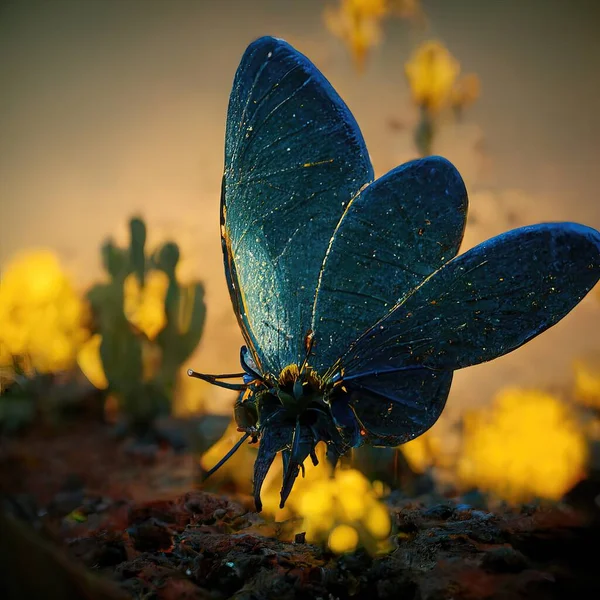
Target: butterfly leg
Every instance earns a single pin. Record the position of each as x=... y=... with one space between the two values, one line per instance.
x=313 y=457
x=332 y=455
x=302 y=446
x=264 y=460
x=272 y=441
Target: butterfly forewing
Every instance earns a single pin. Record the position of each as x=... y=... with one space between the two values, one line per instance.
x=294 y=158
x=394 y=234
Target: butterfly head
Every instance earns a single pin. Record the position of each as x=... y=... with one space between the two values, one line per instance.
x=291 y=414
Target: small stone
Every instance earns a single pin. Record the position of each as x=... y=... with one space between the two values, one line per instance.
x=151 y=536
x=504 y=560
x=440 y=511
x=300 y=538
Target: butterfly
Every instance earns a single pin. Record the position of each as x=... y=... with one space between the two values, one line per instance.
x=354 y=304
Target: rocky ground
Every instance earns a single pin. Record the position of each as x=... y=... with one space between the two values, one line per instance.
x=80 y=504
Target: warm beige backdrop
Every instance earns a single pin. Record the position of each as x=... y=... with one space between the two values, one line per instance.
x=110 y=108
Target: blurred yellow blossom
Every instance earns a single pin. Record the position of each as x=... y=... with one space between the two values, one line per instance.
x=42 y=317
x=331 y=506
x=377 y=521
x=426 y=451
x=334 y=507
x=526 y=446
x=343 y=538
x=272 y=486
x=367 y=8
x=358 y=23
x=431 y=73
x=144 y=306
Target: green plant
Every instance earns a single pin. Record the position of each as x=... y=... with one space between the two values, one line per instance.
x=147 y=325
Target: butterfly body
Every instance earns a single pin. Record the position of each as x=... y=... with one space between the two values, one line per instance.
x=354 y=303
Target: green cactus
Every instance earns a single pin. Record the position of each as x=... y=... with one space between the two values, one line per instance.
x=185 y=311
x=137 y=256
x=123 y=347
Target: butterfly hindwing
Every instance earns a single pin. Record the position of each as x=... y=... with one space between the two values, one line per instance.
x=294 y=158
x=394 y=408
x=393 y=235
x=484 y=303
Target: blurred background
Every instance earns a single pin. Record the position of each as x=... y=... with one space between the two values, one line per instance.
x=110 y=110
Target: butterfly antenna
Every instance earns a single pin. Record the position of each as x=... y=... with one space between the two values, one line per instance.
x=237 y=446
x=214 y=380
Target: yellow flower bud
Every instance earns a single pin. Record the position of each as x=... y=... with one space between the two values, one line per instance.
x=144 y=306
x=527 y=445
x=343 y=538
x=353 y=481
x=351 y=504
x=42 y=318
x=431 y=73
x=377 y=521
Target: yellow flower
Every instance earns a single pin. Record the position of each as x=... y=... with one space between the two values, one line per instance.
x=34 y=276
x=351 y=481
x=319 y=502
x=428 y=450
x=366 y=8
x=342 y=510
x=343 y=538
x=330 y=504
x=526 y=446
x=377 y=521
x=357 y=25
x=314 y=476
x=419 y=453
x=42 y=318
x=431 y=73
x=144 y=306
x=90 y=363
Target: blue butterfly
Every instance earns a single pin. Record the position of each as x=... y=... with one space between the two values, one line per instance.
x=355 y=308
